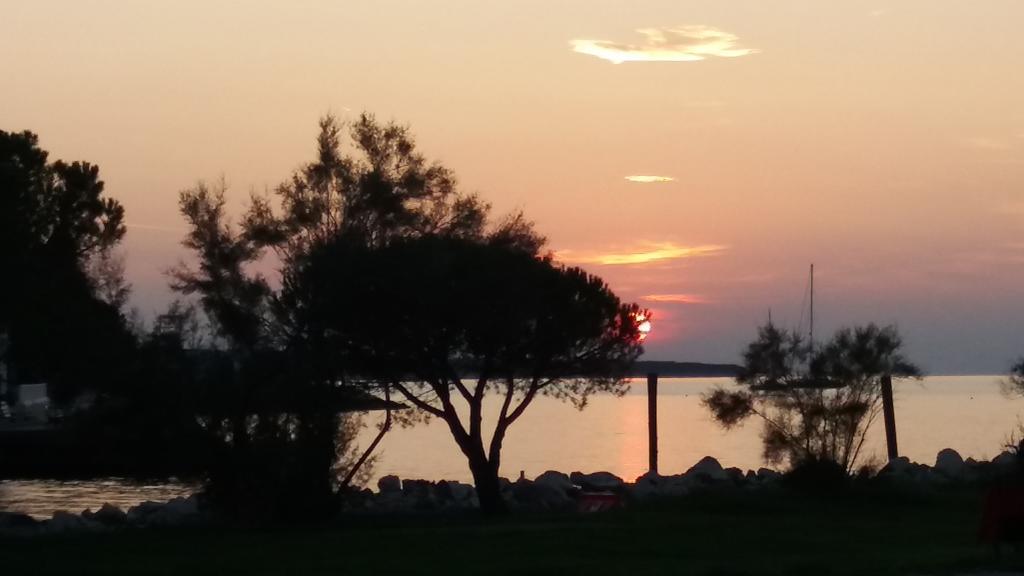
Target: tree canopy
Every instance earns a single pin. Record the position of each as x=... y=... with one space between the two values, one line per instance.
x=392 y=277
x=445 y=322
x=56 y=228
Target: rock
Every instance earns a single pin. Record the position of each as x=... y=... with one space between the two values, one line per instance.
x=535 y=496
x=949 y=463
x=555 y=479
x=13 y=523
x=462 y=492
x=653 y=485
x=389 y=484
x=140 y=515
x=707 y=469
x=597 y=481
x=418 y=487
x=455 y=491
x=107 y=515
x=176 y=512
x=64 y=522
x=768 y=475
x=734 y=474
x=647 y=486
x=1006 y=459
x=899 y=466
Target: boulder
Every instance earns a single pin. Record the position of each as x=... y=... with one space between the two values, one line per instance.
x=597 y=481
x=949 y=463
x=418 y=487
x=16 y=523
x=63 y=522
x=1006 y=459
x=107 y=515
x=540 y=496
x=462 y=492
x=389 y=484
x=556 y=480
x=899 y=466
x=735 y=474
x=707 y=469
x=768 y=475
x=176 y=512
x=653 y=485
x=455 y=491
x=140 y=515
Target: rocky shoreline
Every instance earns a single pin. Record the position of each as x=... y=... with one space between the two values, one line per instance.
x=550 y=491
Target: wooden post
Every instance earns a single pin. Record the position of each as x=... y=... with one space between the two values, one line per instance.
x=889 y=412
x=652 y=420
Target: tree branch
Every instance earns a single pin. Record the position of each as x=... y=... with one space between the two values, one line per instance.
x=527 y=398
x=426 y=407
x=503 y=421
x=373 y=445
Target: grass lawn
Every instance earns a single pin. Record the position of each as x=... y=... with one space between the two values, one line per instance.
x=865 y=532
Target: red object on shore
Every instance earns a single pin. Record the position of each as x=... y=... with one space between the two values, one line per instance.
x=1003 y=518
x=598 y=501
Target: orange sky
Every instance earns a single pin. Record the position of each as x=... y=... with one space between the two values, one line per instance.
x=883 y=141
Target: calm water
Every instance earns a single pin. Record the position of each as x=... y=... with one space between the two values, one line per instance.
x=41 y=498
x=967 y=413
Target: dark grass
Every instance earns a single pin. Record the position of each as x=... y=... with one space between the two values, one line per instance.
x=730 y=533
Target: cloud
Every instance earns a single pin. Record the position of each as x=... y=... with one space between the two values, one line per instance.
x=674 y=298
x=672 y=44
x=650 y=179
x=654 y=253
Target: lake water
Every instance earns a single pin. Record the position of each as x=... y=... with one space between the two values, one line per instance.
x=967 y=413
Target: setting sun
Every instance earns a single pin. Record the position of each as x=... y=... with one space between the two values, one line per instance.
x=643 y=325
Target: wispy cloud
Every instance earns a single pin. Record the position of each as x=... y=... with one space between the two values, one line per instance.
x=674 y=298
x=671 y=44
x=652 y=253
x=650 y=179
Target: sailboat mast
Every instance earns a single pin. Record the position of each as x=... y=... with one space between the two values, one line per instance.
x=812 y=308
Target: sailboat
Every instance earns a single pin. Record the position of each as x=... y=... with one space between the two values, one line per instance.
x=804 y=380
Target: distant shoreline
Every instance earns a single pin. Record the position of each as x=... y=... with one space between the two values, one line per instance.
x=672 y=369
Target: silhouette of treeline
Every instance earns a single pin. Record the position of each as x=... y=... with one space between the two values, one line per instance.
x=392 y=282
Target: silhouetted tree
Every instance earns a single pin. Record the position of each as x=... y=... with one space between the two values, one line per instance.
x=816 y=404
x=384 y=217
x=385 y=190
x=445 y=321
x=1016 y=380
x=54 y=221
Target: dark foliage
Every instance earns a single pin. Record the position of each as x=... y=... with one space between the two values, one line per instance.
x=419 y=315
x=55 y=221
x=277 y=413
x=817 y=476
x=818 y=403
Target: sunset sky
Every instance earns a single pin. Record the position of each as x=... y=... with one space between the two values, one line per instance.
x=698 y=155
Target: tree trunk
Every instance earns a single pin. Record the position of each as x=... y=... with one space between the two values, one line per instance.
x=488 y=490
